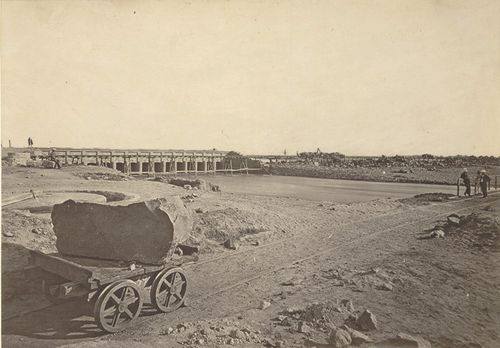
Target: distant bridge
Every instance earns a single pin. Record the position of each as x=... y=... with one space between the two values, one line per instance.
x=274 y=158
x=138 y=162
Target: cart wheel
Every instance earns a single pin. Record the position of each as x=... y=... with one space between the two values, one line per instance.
x=169 y=289
x=117 y=305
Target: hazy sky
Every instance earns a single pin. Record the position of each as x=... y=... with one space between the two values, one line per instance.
x=358 y=77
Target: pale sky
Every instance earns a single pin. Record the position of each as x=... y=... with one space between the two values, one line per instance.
x=358 y=77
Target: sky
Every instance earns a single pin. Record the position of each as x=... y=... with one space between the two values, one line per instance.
x=358 y=77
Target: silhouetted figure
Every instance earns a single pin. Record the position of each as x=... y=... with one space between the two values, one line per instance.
x=484 y=180
x=30 y=142
x=465 y=177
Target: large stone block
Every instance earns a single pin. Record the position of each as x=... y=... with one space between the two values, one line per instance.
x=145 y=232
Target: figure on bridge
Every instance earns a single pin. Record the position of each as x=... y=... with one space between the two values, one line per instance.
x=52 y=157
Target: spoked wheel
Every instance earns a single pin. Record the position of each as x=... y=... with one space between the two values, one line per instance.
x=118 y=305
x=169 y=289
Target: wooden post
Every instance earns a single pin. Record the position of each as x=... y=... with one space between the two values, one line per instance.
x=66 y=157
x=186 y=163
x=231 y=166
x=246 y=165
x=496 y=177
x=195 y=162
x=81 y=157
x=458 y=187
x=149 y=164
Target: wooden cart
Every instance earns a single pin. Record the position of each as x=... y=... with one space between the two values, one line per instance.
x=117 y=291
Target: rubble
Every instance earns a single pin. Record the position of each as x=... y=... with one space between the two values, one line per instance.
x=216 y=333
x=18 y=158
x=232 y=243
x=264 y=304
x=367 y=321
x=7 y=233
x=437 y=233
x=403 y=340
x=144 y=232
x=303 y=327
x=340 y=338
x=358 y=338
x=476 y=229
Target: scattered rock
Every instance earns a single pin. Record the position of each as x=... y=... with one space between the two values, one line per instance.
x=437 y=234
x=286 y=322
x=386 y=287
x=292 y=282
x=340 y=338
x=293 y=310
x=367 y=321
x=168 y=331
x=238 y=334
x=8 y=234
x=264 y=304
x=199 y=211
x=303 y=327
x=232 y=243
x=453 y=219
x=279 y=344
x=188 y=187
x=359 y=338
x=36 y=230
x=348 y=305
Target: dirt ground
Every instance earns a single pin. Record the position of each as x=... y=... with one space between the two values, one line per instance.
x=301 y=269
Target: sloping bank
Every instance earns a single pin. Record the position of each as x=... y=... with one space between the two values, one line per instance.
x=445 y=176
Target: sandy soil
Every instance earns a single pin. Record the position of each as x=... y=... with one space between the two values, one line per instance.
x=302 y=269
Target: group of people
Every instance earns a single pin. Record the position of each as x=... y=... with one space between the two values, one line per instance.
x=482 y=180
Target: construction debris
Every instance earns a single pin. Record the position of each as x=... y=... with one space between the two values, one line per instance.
x=144 y=232
x=367 y=321
x=403 y=340
x=340 y=338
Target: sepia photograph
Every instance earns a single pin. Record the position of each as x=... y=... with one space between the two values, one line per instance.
x=250 y=173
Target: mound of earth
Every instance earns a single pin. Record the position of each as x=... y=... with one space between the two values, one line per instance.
x=99 y=173
x=219 y=225
x=478 y=230
x=425 y=198
x=22 y=231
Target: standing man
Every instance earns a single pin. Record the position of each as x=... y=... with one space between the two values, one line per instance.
x=484 y=180
x=30 y=142
x=466 y=179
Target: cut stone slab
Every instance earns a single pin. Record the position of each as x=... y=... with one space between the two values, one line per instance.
x=144 y=232
x=403 y=340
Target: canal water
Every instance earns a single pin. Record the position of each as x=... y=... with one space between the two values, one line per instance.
x=341 y=191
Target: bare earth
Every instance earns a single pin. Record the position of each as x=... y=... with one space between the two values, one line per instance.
x=312 y=264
